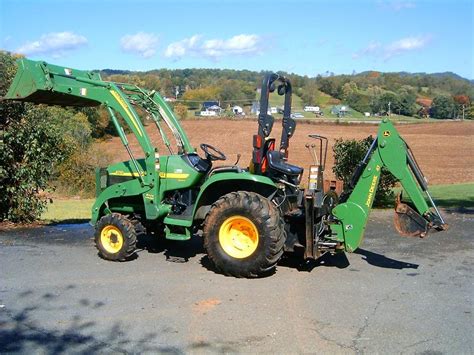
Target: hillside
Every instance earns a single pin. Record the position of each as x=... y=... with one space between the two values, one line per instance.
x=373 y=92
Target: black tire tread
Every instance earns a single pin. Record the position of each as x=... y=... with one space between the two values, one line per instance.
x=263 y=211
x=129 y=233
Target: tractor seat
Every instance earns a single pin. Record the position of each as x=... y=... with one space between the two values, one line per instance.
x=276 y=162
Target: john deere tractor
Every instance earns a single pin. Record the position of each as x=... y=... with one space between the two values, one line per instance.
x=248 y=215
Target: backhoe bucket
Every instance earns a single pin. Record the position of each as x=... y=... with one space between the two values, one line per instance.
x=408 y=222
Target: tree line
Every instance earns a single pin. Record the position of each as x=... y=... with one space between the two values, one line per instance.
x=448 y=95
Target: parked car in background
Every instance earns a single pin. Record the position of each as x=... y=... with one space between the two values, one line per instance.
x=311 y=109
x=208 y=113
x=297 y=115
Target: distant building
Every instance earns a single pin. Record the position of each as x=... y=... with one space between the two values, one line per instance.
x=256 y=109
x=340 y=110
x=238 y=111
x=210 y=108
x=208 y=104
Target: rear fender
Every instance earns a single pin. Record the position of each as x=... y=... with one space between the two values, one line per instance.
x=223 y=183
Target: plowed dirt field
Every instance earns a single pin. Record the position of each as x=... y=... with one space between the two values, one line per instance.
x=444 y=150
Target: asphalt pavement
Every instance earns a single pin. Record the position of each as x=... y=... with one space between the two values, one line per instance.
x=394 y=295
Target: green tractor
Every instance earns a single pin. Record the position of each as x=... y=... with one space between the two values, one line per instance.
x=248 y=216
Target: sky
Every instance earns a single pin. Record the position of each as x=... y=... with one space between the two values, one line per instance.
x=302 y=37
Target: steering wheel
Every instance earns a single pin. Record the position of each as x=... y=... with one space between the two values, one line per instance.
x=212 y=153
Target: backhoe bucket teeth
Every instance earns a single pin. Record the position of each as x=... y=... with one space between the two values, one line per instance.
x=408 y=222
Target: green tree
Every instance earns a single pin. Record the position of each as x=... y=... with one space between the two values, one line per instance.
x=406 y=103
x=310 y=94
x=194 y=97
x=443 y=107
x=381 y=104
x=349 y=90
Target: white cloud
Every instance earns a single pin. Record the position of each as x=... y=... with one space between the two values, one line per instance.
x=141 y=43
x=405 y=45
x=398 y=47
x=55 y=44
x=372 y=48
x=214 y=48
x=181 y=48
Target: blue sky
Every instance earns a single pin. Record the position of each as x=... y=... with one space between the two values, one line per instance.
x=304 y=37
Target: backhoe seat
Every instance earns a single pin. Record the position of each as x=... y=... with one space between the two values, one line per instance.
x=276 y=162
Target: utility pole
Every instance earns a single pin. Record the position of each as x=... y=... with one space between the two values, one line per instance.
x=389 y=103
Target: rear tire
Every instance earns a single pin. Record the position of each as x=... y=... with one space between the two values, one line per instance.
x=115 y=237
x=244 y=235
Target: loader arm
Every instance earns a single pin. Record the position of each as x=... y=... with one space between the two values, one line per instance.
x=43 y=83
x=388 y=150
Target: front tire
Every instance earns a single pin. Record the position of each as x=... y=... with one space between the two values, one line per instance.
x=115 y=237
x=244 y=235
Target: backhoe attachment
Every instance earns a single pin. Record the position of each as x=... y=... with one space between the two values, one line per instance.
x=414 y=218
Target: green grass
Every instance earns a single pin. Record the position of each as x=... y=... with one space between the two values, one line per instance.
x=68 y=210
x=457 y=196
x=73 y=210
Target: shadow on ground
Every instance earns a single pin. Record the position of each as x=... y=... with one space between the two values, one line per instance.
x=68 y=221
x=21 y=330
x=382 y=261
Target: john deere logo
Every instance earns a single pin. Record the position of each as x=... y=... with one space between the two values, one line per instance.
x=386 y=133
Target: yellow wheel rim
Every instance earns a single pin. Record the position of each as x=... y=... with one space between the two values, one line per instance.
x=111 y=239
x=238 y=236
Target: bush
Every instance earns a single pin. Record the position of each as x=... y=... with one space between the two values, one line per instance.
x=347 y=155
x=34 y=142
x=181 y=110
x=31 y=149
x=76 y=176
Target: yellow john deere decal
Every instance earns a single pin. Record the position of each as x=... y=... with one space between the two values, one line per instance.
x=123 y=173
x=122 y=103
x=371 y=194
x=386 y=133
x=173 y=176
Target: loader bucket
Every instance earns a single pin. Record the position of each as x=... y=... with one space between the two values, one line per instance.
x=33 y=83
x=408 y=222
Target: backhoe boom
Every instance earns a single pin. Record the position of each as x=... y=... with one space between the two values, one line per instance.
x=388 y=151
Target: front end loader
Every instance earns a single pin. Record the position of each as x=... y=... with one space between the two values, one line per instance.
x=249 y=215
